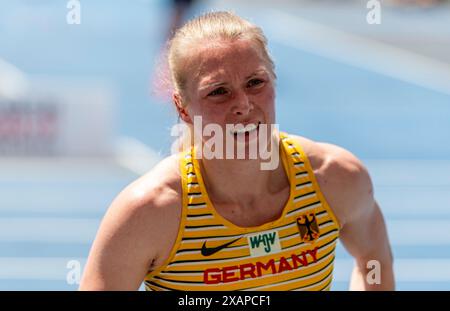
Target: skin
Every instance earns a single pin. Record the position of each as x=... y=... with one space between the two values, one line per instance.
x=232 y=84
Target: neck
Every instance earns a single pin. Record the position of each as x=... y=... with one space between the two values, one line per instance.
x=241 y=182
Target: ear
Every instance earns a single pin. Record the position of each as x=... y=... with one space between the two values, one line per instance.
x=182 y=112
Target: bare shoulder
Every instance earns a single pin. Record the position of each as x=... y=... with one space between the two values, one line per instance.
x=159 y=188
x=137 y=232
x=342 y=177
x=150 y=209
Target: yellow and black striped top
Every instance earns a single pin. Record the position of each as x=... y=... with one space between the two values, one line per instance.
x=294 y=252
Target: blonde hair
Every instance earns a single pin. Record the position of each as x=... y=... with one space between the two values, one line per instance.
x=214 y=26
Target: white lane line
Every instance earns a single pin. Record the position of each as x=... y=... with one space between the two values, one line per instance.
x=135 y=155
x=406 y=270
x=49 y=230
x=358 y=51
x=409 y=172
x=414 y=202
x=419 y=232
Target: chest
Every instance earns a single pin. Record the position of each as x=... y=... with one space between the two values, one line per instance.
x=259 y=212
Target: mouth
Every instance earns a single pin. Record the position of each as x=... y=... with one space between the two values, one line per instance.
x=251 y=127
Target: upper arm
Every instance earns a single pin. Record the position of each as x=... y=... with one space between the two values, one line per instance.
x=365 y=236
x=140 y=224
x=120 y=254
x=363 y=231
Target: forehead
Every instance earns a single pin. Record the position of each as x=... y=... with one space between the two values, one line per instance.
x=225 y=59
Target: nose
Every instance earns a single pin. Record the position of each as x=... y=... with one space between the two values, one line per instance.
x=242 y=104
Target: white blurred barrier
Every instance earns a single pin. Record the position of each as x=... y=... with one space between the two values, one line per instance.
x=13 y=83
x=42 y=116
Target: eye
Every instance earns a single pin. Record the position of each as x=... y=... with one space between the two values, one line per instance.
x=217 y=92
x=254 y=82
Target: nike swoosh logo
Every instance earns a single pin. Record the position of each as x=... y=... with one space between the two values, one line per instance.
x=208 y=251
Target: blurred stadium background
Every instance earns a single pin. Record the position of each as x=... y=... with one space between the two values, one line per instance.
x=79 y=119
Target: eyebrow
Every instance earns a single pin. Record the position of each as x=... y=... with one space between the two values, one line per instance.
x=260 y=71
x=216 y=84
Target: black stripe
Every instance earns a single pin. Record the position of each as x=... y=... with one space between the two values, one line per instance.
x=196 y=204
x=326 y=244
x=192 y=183
x=328 y=274
x=320 y=213
x=189 y=163
x=295 y=154
x=302 y=207
x=187 y=250
x=328 y=221
x=204 y=226
x=298 y=244
x=190 y=193
x=184 y=271
x=191 y=261
x=200 y=215
x=304 y=183
x=152 y=287
x=182 y=282
x=323 y=268
x=328 y=252
x=326 y=285
x=162 y=286
x=209 y=237
x=299 y=162
x=285 y=225
x=301 y=173
x=304 y=195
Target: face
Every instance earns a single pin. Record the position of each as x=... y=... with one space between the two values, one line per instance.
x=230 y=84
